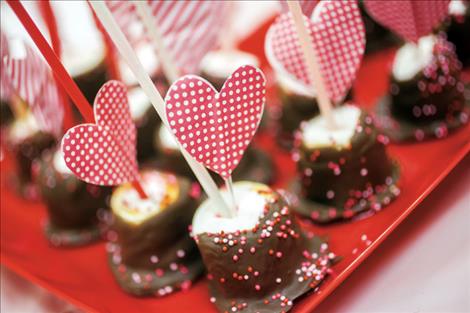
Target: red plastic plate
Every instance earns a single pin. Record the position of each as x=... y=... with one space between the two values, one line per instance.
x=82 y=277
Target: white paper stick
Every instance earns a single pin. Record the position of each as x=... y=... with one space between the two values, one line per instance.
x=125 y=49
x=169 y=68
x=229 y=186
x=311 y=62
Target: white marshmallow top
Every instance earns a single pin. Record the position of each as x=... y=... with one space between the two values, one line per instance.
x=413 y=58
x=138 y=103
x=147 y=57
x=316 y=134
x=59 y=163
x=23 y=127
x=166 y=140
x=82 y=45
x=250 y=206
x=222 y=63
x=162 y=189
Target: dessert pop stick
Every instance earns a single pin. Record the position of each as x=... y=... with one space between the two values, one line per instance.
x=149 y=88
x=59 y=70
x=168 y=65
x=312 y=63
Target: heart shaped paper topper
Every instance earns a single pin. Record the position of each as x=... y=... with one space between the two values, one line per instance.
x=410 y=19
x=307 y=6
x=216 y=128
x=30 y=78
x=338 y=38
x=104 y=153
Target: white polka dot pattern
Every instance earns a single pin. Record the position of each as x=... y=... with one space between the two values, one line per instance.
x=338 y=38
x=216 y=128
x=104 y=153
x=409 y=19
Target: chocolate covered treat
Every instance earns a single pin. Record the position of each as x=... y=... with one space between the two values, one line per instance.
x=147 y=123
x=255 y=164
x=427 y=97
x=459 y=29
x=27 y=143
x=74 y=207
x=343 y=171
x=258 y=260
x=151 y=252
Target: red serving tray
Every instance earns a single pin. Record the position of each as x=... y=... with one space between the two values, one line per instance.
x=82 y=277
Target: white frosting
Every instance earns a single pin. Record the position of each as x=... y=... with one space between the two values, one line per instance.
x=23 y=127
x=286 y=80
x=457 y=7
x=223 y=63
x=315 y=132
x=127 y=203
x=166 y=140
x=147 y=57
x=250 y=206
x=83 y=48
x=82 y=45
x=411 y=58
x=59 y=163
x=138 y=103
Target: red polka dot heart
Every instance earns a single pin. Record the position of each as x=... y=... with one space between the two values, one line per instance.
x=410 y=19
x=104 y=153
x=338 y=37
x=216 y=128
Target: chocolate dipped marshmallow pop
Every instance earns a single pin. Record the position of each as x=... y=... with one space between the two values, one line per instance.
x=343 y=171
x=76 y=210
x=341 y=159
x=150 y=250
x=257 y=257
x=427 y=98
x=39 y=113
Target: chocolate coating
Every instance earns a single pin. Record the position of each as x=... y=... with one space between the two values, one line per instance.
x=295 y=108
x=430 y=104
x=25 y=153
x=90 y=82
x=72 y=205
x=6 y=115
x=157 y=256
x=147 y=126
x=338 y=183
x=266 y=268
x=457 y=32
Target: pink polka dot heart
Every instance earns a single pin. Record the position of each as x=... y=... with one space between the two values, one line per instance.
x=104 y=153
x=410 y=19
x=216 y=128
x=338 y=38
